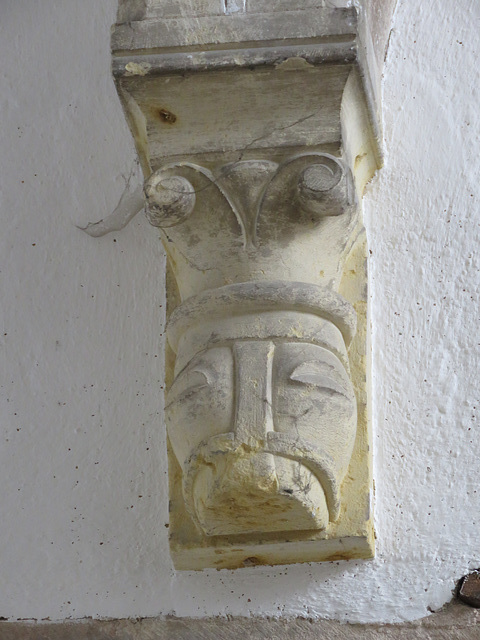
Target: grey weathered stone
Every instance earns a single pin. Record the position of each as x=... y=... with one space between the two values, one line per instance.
x=469 y=591
x=455 y=622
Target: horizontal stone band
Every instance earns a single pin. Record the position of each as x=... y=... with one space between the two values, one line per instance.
x=249 y=297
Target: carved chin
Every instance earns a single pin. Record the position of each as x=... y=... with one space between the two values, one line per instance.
x=243 y=491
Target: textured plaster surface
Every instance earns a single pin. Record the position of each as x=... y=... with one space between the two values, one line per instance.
x=83 y=464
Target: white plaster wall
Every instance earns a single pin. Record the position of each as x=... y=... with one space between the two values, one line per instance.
x=83 y=465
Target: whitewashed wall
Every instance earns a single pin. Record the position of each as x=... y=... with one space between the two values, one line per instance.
x=83 y=465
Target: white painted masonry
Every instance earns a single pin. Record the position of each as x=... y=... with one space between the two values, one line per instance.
x=83 y=466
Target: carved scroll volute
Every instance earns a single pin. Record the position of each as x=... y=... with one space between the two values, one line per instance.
x=251 y=220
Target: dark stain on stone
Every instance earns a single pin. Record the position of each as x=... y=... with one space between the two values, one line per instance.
x=337 y=556
x=167 y=116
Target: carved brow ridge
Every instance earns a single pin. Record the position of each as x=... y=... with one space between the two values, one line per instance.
x=313 y=373
x=200 y=381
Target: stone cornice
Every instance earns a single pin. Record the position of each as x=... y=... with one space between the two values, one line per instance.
x=184 y=44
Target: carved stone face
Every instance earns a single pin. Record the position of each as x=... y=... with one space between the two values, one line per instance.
x=263 y=431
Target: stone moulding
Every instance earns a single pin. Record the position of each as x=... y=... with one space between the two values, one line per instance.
x=256 y=135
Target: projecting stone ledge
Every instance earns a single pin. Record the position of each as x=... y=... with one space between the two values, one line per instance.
x=455 y=622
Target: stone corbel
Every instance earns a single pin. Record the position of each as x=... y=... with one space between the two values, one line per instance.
x=257 y=131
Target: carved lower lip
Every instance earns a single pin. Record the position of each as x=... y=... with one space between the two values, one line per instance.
x=276 y=444
x=258 y=493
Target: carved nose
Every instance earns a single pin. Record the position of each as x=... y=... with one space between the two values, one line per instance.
x=253 y=391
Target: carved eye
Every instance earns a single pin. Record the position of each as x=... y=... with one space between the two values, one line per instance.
x=187 y=385
x=316 y=374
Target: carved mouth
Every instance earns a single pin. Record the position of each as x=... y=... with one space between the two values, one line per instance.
x=231 y=488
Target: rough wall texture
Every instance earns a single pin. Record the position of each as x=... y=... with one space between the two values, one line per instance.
x=456 y=622
x=83 y=470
